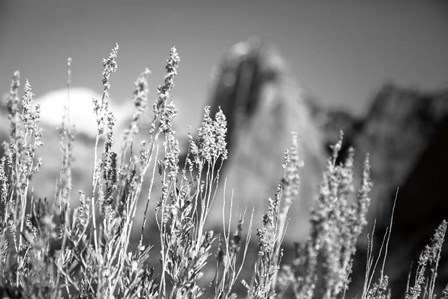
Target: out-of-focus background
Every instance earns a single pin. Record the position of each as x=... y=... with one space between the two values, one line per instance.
x=340 y=51
x=376 y=70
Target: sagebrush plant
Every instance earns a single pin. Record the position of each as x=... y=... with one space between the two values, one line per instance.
x=54 y=249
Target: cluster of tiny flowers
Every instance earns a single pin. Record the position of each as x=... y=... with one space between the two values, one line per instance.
x=109 y=66
x=363 y=197
x=105 y=119
x=31 y=114
x=25 y=134
x=292 y=163
x=267 y=234
x=140 y=99
x=81 y=215
x=7 y=173
x=210 y=143
x=13 y=103
x=171 y=159
x=430 y=257
x=140 y=96
x=105 y=173
x=17 y=169
x=164 y=108
x=221 y=131
x=4 y=189
x=110 y=135
x=337 y=220
x=380 y=290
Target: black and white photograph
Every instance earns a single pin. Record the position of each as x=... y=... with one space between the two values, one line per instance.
x=223 y=149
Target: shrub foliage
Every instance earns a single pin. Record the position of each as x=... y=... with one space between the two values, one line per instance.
x=58 y=249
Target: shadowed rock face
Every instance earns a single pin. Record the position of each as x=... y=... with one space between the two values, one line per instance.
x=400 y=130
x=263 y=107
x=406 y=133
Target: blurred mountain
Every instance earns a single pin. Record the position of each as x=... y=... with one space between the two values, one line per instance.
x=263 y=105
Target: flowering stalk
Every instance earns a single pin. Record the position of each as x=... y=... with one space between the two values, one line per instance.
x=272 y=232
x=337 y=220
